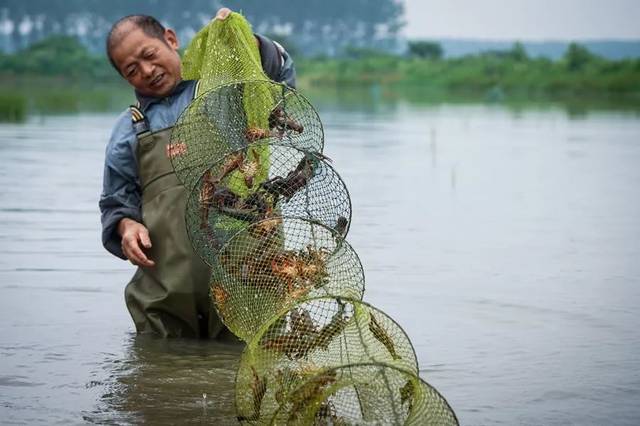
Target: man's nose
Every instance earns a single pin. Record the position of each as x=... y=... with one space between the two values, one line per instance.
x=147 y=69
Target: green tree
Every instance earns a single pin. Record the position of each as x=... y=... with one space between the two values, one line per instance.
x=353 y=52
x=518 y=52
x=56 y=56
x=425 y=49
x=577 y=57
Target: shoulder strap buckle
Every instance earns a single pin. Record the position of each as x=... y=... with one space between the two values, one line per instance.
x=139 y=121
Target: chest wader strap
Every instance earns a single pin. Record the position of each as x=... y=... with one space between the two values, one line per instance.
x=140 y=122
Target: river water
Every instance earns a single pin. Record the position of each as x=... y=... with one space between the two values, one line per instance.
x=505 y=242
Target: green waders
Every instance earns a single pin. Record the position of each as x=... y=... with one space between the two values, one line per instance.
x=171 y=298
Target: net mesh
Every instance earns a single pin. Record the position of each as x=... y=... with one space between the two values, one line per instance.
x=364 y=394
x=314 y=335
x=217 y=123
x=223 y=52
x=269 y=266
x=269 y=214
x=239 y=191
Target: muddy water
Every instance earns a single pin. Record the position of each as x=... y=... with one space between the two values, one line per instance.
x=506 y=243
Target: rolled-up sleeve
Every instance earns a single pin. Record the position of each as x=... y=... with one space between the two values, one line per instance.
x=121 y=195
x=287 y=71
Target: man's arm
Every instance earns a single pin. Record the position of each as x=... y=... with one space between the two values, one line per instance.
x=122 y=230
x=276 y=61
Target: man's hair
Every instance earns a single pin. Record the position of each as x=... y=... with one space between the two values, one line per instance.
x=148 y=24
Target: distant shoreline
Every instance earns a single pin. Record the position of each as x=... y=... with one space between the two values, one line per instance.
x=497 y=74
x=608 y=48
x=60 y=75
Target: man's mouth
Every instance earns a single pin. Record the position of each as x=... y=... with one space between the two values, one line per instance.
x=157 y=80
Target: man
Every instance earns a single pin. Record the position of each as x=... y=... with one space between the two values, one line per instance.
x=142 y=202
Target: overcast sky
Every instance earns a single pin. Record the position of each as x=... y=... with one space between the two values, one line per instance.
x=523 y=19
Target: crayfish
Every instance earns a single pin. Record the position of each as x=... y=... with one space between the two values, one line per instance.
x=382 y=336
x=310 y=392
x=301 y=271
x=280 y=122
x=305 y=336
x=258 y=388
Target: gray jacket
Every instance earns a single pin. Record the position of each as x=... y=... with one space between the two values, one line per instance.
x=121 y=194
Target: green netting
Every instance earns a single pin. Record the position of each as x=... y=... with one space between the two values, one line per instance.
x=271 y=265
x=222 y=52
x=238 y=191
x=364 y=394
x=238 y=104
x=269 y=214
x=314 y=335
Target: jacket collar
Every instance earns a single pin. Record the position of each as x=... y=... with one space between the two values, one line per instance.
x=147 y=101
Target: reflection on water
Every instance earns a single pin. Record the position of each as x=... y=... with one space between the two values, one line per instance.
x=377 y=98
x=504 y=241
x=160 y=381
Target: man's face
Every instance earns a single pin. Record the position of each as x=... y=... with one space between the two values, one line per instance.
x=147 y=63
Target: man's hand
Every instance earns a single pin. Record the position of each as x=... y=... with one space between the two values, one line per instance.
x=134 y=235
x=223 y=13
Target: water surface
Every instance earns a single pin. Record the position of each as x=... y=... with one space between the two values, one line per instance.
x=506 y=243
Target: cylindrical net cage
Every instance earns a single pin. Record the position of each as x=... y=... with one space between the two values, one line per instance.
x=269 y=214
x=364 y=394
x=269 y=266
x=314 y=335
x=231 y=117
x=264 y=181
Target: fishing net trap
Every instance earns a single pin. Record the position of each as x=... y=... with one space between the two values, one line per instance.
x=269 y=213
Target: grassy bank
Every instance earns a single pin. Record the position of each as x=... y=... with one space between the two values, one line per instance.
x=26 y=95
x=58 y=75
x=492 y=74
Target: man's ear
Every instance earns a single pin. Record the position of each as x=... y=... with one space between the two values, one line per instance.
x=171 y=38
